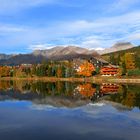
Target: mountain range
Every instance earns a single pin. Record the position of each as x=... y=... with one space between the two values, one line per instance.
x=58 y=53
x=117 y=47
x=63 y=51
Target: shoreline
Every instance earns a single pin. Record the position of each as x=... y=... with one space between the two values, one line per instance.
x=73 y=79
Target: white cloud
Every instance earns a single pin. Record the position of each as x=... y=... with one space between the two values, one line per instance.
x=100 y=33
x=40 y=46
x=99 y=49
x=91 y=42
x=10 y=29
x=122 y=5
x=134 y=37
x=107 y=25
x=8 y=6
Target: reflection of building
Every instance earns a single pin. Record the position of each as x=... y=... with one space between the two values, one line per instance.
x=109 y=70
x=109 y=88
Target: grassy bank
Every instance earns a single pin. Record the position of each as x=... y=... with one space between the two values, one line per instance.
x=49 y=79
x=96 y=79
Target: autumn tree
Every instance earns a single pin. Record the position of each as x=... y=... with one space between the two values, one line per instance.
x=130 y=60
x=5 y=71
x=86 y=69
x=59 y=72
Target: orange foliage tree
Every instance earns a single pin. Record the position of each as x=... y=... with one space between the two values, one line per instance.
x=86 y=69
x=4 y=71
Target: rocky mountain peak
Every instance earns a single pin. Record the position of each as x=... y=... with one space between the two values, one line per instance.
x=117 y=47
x=123 y=45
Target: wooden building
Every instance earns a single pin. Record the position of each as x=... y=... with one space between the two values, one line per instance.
x=110 y=70
x=97 y=61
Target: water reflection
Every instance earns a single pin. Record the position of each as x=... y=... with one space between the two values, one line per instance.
x=62 y=110
x=129 y=96
x=68 y=94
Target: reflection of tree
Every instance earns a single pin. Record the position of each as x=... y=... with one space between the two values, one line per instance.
x=52 y=88
x=5 y=85
x=137 y=100
x=127 y=95
x=130 y=96
x=22 y=86
x=86 y=90
x=129 y=100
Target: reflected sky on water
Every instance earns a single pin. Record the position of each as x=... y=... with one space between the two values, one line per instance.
x=69 y=111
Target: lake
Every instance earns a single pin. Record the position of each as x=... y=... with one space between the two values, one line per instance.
x=71 y=111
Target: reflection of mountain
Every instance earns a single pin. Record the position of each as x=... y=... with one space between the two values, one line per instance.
x=38 y=99
x=16 y=95
x=58 y=101
x=118 y=106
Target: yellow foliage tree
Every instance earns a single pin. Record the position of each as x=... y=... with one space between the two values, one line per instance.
x=130 y=60
x=59 y=72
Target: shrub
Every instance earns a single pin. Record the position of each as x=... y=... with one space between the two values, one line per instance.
x=134 y=72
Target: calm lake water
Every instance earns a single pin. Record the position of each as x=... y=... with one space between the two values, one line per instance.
x=69 y=111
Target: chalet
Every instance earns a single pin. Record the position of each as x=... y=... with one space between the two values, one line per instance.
x=77 y=63
x=110 y=70
x=97 y=61
x=26 y=65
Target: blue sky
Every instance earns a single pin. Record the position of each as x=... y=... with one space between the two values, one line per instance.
x=26 y=25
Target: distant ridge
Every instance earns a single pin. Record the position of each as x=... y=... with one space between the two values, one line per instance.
x=117 y=47
x=63 y=51
x=56 y=53
x=5 y=56
x=59 y=53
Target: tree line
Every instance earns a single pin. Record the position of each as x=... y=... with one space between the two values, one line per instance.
x=63 y=69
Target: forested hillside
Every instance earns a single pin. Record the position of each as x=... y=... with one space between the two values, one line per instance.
x=128 y=59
